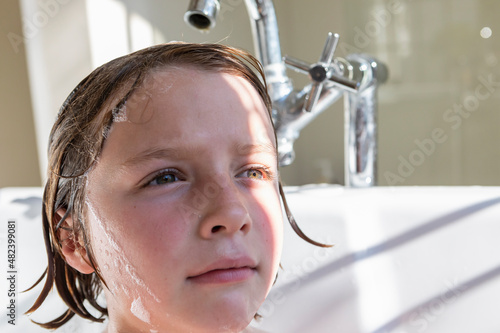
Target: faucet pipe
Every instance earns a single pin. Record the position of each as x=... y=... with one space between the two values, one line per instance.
x=360 y=150
x=267 y=46
x=360 y=121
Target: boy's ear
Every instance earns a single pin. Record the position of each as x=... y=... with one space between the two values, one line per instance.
x=72 y=245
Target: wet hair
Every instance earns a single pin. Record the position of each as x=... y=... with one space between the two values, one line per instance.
x=77 y=139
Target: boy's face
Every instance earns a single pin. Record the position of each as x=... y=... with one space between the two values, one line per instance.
x=183 y=205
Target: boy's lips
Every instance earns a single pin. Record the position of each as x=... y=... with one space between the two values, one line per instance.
x=225 y=270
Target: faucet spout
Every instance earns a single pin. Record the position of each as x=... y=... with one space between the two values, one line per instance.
x=202 y=14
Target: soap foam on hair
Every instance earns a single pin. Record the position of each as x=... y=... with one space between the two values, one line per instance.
x=120 y=114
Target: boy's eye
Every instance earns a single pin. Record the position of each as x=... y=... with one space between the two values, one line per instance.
x=254 y=174
x=165 y=177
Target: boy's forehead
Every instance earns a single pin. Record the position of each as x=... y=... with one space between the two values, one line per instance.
x=184 y=80
x=163 y=78
x=173 y=72
x=163 y=107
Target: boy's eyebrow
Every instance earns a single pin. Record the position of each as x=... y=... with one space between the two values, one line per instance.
x=151 y=154
x=163 y=153
x=256 y=148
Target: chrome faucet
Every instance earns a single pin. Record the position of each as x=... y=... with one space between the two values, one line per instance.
x=356 y=77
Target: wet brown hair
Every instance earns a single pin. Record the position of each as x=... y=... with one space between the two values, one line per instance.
x=76 y=141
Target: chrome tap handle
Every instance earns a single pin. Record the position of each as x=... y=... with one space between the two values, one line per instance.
x=320 y=72
x=313 y=96
x=297 y=65
x=329 y=48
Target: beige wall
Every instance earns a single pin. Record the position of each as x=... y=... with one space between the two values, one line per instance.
x=436 y=60
x=434 y=51
x=18 y=155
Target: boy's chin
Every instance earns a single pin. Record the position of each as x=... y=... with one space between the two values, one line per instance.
x=233 y=325
x=230 y=318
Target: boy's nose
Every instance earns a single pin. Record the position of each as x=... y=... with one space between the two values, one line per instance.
x=225 y=213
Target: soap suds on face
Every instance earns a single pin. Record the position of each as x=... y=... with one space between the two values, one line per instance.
x=114 y=287
x=120 y=260
x=139 y=311
x=125 y=290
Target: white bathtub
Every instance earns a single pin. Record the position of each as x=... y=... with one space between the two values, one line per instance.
x=406 y=259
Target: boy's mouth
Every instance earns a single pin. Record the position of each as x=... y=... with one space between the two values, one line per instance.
x=226 y=271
